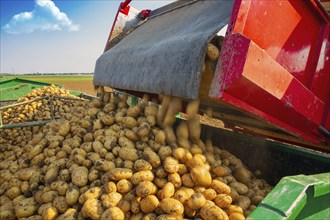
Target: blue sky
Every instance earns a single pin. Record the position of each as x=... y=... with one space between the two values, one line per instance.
x=59 y=36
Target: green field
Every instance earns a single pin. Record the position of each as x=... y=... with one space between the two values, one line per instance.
x=76 y=82
x=53 y=78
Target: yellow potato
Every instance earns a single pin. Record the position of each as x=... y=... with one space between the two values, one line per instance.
x=223 y=200
x=175 y=179
x=171 y=165
x=72 y=195
x=127 y=153
x=25 y=208
x=196 y=201
x=220 y=187
x=150 y=156
x=140 y=165
x=212 y=52
x=181 y=195
x=79 y=176
x=142 y=176
x=145 y=188
x=167 y=191
x=209 y=194
x=118 y=174
x=172 y=206
x=60 y=204
x=111 y=199
x=113 y=213
x=124 y=186
x=239 y=187
x=93 y=209
x=92 y=193
x=201 y=176
x=210 y=212
x=149 y=204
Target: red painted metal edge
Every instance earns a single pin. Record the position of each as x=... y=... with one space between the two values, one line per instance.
x=256 y=83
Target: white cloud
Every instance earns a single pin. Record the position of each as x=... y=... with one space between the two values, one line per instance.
x=46 y=16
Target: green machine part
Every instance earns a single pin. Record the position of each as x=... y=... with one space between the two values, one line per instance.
x=297 y=197
x=14 y=88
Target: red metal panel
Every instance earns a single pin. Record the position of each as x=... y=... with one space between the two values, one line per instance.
x=255 y=82
x=275 y=64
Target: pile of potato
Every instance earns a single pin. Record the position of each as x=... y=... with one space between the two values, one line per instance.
x=41 y=109
x=108 y=160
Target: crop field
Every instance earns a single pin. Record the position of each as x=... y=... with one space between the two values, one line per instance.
x=82 y=83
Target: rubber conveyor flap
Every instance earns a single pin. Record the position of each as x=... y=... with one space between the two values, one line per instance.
x=164 y=55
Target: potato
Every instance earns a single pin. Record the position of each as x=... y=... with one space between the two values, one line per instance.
x=221 y=170
x=93 y=209
x=64 y=128
x=167 y=217
x=104 y=165
x=142 y=176
x=150 y=216
x=118 y=174
x=109 y=186
x=13 y=192
x=209 y=194
x=25 y=174
x=126 y=153
x=108 y=120
x=212 y=52
x=129 y=122
x=171 y=165
x=160 y=182
x=134 y=111
x=194 y=130
x=169 y=135
x=188 y=181
x=201 y=176
x=223 y=200
x=151 y=110
x=111 y=199
x=113 y=213
x=181 y=195
x=189 y=212
x=210 y=212
x=167 y=191
x=92 y=193
x=49 y=196
x=135 y=206
x=239 y=187
x=124 y=205
x=175 y=179
x=220 y=187
x=196 y=201
x=160 y=137
x=72 y=195
x=25 y=208
x=79 y=176
x=69 y=214
x=172 y=206
x=236 y=216
x=124 y=186
x=192 y=109
x=60 y=204
x=149 y=204
x=142 y=165
x=244 y=202
x=125 y=142
x=150 y=156
x=145 y=188
x=234 y=209
x=164 y=152
x=143 y=130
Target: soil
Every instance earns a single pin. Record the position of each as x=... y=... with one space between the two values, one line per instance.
x=80 y=86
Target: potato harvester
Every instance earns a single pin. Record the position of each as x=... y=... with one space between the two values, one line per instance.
x=270 y=87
